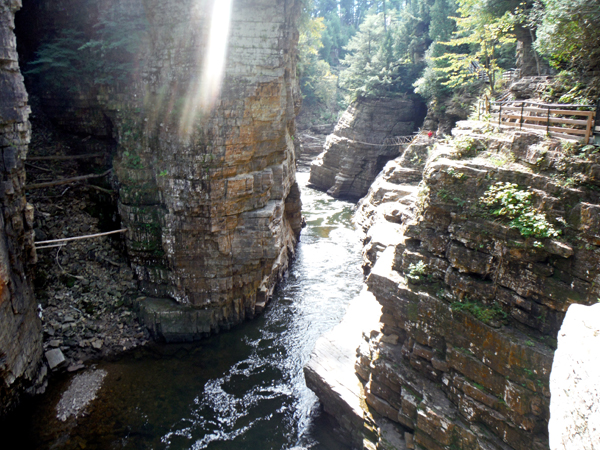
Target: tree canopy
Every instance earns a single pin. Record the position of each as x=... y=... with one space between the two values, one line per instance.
x=438 y=47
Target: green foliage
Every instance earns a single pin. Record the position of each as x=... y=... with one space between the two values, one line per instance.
x=318 y=84
x=568 y=32
x=378 y=60
x=488 y=314
x=465 y=146
x=454 y=174
x=335 y=37
x=514 y=203
x=71 y=59
x=62 y=62
x=473 y=42
x=416 y=271
x=483 y=33
x=132 y=160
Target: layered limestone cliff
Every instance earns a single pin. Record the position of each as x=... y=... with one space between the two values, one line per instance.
x=361 y=144
x=473 y=295
x=206 y=177
x=20 y=327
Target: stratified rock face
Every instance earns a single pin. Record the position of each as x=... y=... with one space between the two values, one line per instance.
x=211 y=200
x=354 y=154
x=206 y=180
x=575 y=381
x=471 y=306
x=20 y=327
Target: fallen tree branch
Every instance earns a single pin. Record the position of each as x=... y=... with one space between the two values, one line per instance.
x=64 y=157
x=101 y=189
x=38 y=167
x=76 y=238
x=65 y=181
x=50 y=246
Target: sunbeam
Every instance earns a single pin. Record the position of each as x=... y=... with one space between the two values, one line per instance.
x=205 y=90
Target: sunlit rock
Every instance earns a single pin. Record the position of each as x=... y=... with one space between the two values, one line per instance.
x=471 y=304
x=575 y=381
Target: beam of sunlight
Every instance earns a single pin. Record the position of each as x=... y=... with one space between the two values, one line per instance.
x=205 y=89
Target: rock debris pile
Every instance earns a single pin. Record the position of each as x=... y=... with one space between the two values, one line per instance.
x=85 y=287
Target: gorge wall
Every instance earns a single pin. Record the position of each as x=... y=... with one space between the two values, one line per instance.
x=472 y=299
x=20 y=326
x=356 y=152
x=206 y=179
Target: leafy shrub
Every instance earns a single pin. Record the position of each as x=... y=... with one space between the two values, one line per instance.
x=416 y=271
x=568 y=33
x=488 y=314
x=514 y=203
x=465 y=146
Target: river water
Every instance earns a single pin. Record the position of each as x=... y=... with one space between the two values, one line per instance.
x=243 y=389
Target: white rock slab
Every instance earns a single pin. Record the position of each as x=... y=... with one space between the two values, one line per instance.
x=575 y=382
x=81 y=392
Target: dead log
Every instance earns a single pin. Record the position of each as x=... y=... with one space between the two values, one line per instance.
x=64 y=157
x=65 y=181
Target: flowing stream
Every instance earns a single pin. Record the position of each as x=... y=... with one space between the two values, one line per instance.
x=243 y=389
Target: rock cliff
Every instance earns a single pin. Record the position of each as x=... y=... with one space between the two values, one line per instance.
x=20 y=327
x=206 y=179
x=357 y=150
x=474 y=290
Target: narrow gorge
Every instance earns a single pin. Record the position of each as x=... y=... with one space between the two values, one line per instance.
x=194 y=118
x=177 y=273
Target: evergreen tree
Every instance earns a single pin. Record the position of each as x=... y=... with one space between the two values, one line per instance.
x=347 y=12
x=323 y=8
x=441 y=23
x=377 y=63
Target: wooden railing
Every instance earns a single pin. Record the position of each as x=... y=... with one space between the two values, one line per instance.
x=511 y=74
x=556 y=120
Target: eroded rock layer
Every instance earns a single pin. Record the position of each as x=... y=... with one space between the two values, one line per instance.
x=356 y=151
x=20 y=327
x=206 y=177
x=473 y=299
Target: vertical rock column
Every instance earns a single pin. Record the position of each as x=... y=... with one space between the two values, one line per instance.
x=208 y=192
x=20 y=327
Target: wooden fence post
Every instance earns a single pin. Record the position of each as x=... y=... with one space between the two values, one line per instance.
x=596 y=129
x=500 y=117
x=522 y=108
